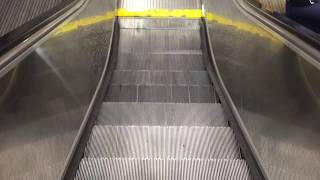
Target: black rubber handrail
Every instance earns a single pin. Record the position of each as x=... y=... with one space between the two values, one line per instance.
x=18 y=35
x=310 y=38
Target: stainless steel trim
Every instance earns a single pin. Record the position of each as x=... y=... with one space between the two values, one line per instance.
x=90 y=108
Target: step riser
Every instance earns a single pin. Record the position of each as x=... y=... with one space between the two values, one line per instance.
x=170 y=62
x=162 y=142
x=190 y=78
x=129 y=23
x=162 y=169
x=162 y=114
x=163 y=4
x=140 y=40
x=164 y=94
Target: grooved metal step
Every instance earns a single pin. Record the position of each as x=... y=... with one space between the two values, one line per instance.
x=161 y=93
x=162 y=169
x=162 y=142
x=162 y=114
x=160 y=61
x=161 y=23
x=141 y=40
x=160 y=4
x=148 y=77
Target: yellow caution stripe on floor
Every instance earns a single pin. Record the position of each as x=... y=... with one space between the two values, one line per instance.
x=162 y=13
x=242 y=26
x=84 y=22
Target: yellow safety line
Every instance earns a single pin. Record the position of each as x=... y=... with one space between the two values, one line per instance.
x=240 y=26
x=177 y=13
x=121 y=12
x=162 y=13
x=84 y=22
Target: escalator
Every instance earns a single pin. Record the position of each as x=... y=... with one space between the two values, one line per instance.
x=161 y=117
x=151 y=89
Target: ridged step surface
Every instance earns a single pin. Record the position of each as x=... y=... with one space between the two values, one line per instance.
x=159 y=41
x=162 y=142
x=174 y=61
x=159 y=4
x=161 y=114
x=162 y=169
x=147 y=77
x=159 y=23
x=162 y=93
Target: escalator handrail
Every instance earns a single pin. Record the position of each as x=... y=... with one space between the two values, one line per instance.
x=289 y=27
x=23 y=38
x=304 y=45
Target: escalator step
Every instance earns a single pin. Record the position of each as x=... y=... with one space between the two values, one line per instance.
x=162 y=114
x=160 y=61
x=160 y=4
x=142 y=40
x=118 y=93
x=177 y=142
x=161 y=93
x=147 y=77
x=203 y=94
x=161 y=23
x=162 y=169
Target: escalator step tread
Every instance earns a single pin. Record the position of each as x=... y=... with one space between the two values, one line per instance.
x=177 y=142
x=162 y=93
x=162 y=169
x=160 y=4
x=160 y=61
x=142 y=40
x=161 y=23
x=147 y=77
x=162 y=114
